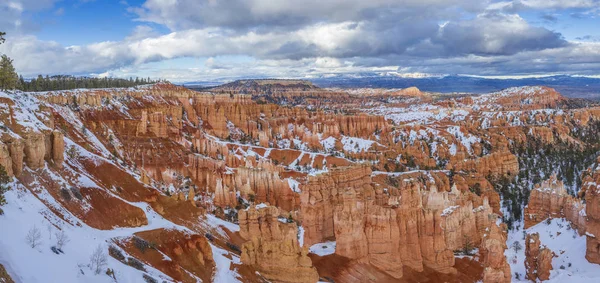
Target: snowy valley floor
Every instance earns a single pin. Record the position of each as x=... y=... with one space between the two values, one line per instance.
x=40 y=264
x=570 y=264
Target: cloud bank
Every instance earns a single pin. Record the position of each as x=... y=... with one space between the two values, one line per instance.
x=310 y=38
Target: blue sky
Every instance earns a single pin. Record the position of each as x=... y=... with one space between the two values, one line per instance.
x=72 y=23
x=203 y=40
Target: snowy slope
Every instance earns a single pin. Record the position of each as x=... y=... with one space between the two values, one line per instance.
x=565 y=243
x=22 y=213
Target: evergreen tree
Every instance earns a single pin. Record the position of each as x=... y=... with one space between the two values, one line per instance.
x=8 y=76
x=62 y=82
x=4 y=180
x=2 y=34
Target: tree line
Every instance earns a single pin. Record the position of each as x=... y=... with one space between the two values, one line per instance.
x=62 y=82
x=9 y=79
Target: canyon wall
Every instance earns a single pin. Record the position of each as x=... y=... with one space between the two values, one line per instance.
x=272 y=247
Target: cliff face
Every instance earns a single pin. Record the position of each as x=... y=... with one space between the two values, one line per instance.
x=382 y=232
x=592 y=210
x=32 y=149
x=405 y=226
x=538 y=260
x=320 y=196
x=550 y=200
x=349 y=221
x=496 y=268
x=272 y=247
x=496 y=164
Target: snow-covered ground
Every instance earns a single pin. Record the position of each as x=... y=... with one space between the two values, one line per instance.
x=24 y=211
x=570 y=264
x=418 y=114
x=25 y=264
x=355 y=145
x=323 y=249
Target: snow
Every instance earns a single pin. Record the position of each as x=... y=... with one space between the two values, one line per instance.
x=356 y=145
x=216 y=222
x=294 y=185
x=323 y=249
x=328 y=143
x=223 y=273
x=569 y=248
x=299 y=144
x=25 y=211
x=24 y=110
x=449 y=210
x=301 y=236
x=420 y=113
x=467 y=140
x=453 y=149
x=261 y=205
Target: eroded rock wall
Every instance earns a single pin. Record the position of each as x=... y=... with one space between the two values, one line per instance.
x=272 y=247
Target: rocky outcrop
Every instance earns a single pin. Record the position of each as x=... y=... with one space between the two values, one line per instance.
x=546 y=200
x=550 y=200
x=183 y=256
x=5 y=159
x=157 y=124
x=408 y=225
x=592 y=210
x=35 y=149
x=4 y=276
x=361 y=125
x=496 y=268
x=496 y=164
x=434 y=250
x=320 y=196
x=16 y=148
x=527 y=97
x=538 y=258
x=224 y=196
x=58 y=148
x=272 y=247
x=382 y=233
x=349 y=222
x=266 y=186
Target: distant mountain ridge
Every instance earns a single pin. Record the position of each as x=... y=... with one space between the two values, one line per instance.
x=570 y=86
x=264 y=86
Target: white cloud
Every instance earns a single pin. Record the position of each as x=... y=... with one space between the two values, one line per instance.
x=560 y=4
x=308 y=38
x=518 y=5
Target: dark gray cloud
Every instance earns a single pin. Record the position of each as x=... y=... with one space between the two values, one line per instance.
x=577 y=58
x=495 y=33
x=244 y=14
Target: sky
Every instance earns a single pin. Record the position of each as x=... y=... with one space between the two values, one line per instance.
x=206 y=40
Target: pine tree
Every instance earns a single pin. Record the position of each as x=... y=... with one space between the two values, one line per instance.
x=8 y=75
x=4 y=180
x=2 y=34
